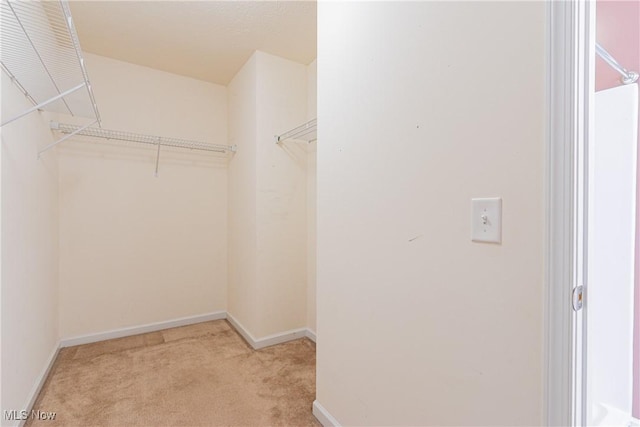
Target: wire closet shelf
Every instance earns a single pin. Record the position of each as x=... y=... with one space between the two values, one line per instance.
x=41 y=54
x=306 y=132
x=140 y=138
x=157 y=141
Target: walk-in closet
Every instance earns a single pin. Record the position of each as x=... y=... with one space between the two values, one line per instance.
x=158 y=176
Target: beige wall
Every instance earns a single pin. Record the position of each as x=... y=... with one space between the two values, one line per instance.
x=29 y=250
x=423 y=106
x=242 y=239
x=136 y=249
x=270 y=211
x=281 y=195
x=312 y=172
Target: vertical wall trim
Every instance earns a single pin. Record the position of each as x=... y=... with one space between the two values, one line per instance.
x=559 y=230
x=559 y=234
x=569 y=57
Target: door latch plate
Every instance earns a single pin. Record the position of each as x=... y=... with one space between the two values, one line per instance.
x=578 y=296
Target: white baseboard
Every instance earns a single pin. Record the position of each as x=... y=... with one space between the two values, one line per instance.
x=269 y=340
x=311 y=335
x=322 y=415
x=40 y=380
x=241 y=330
x=142 y=329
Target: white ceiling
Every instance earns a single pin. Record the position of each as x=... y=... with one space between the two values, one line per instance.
x=206 y=40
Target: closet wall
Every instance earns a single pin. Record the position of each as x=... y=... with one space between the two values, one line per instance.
x=281 y=196
x=136 y=249
x=268 y=198
x=242 y=208
x=312 y=196
x=29 y=237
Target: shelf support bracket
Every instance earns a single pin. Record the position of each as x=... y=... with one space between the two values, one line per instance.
x=158 y=158
x=15 y=81
x=64 y=138
x=42 y=104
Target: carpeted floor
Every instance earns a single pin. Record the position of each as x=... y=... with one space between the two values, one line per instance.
x=198 y=375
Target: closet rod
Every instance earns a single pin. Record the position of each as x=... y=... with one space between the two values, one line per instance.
x=140 y=138
x=628 y=77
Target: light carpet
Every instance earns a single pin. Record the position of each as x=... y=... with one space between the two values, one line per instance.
x=198 y=375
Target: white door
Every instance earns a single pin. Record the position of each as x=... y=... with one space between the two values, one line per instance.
x=609 y=291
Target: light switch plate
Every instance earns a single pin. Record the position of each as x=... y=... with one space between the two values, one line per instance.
x=486 y=220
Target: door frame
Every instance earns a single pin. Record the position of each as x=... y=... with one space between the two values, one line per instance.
x=570 y=84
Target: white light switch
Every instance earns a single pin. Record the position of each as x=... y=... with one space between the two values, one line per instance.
x=486 y=220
